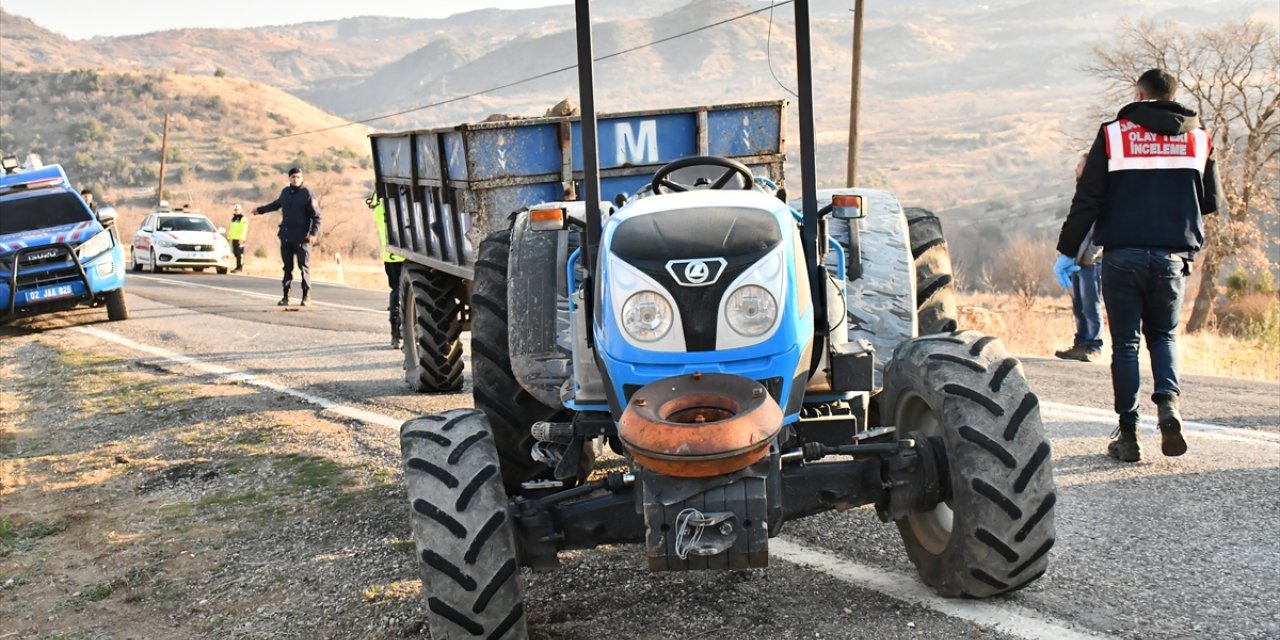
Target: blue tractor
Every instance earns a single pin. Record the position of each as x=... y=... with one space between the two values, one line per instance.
x=692 y=366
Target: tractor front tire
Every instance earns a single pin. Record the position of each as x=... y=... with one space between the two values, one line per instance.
x=935 y=286
x=994 y=529
x=465 y=539
x=511 y=409
x=432 y=330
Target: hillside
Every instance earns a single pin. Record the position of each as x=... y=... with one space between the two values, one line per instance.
x=106 y=129
x=26 y=45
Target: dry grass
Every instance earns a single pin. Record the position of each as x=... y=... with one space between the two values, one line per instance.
x=1048 y=326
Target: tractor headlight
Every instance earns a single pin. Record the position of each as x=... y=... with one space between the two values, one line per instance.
x=647 y=316
x=95 y=246
x=751 y=310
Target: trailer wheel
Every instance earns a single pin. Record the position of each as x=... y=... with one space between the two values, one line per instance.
x=994 y=529
x=464 y=536
x=117 y=309
x=935 y=286
x=510 y=408
x=432 y=330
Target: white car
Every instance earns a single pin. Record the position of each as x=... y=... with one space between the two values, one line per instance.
x=180 y=240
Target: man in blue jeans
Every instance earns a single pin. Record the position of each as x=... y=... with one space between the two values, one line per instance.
x=299 y=225
x=1086 y=298
x=1148 y=181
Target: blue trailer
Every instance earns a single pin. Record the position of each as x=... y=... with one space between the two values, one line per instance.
x=444 y=190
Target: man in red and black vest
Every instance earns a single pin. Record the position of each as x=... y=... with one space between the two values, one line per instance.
x=1148 y=181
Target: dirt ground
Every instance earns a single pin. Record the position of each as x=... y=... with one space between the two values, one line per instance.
x=135 y=504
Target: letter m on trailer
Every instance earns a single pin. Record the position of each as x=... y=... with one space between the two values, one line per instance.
x=637 y=147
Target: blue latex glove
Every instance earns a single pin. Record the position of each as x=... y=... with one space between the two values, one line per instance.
x=1063 y=268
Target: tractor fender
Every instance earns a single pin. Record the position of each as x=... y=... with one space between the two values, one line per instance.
x=538 y=309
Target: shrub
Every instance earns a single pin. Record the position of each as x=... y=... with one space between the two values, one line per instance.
x=260 y=252
x=1252 y=315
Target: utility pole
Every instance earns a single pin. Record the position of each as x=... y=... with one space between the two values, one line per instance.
x=164 y=155
x=855 y=94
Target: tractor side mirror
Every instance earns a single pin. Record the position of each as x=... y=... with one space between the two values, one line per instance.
x=106 y=215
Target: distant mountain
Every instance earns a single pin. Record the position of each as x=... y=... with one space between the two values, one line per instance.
x=26 y=45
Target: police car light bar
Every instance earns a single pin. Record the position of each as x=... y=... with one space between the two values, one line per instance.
x=34 y=184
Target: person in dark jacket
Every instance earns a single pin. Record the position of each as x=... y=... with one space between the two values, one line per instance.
x=1148 y=181
x=299 y=225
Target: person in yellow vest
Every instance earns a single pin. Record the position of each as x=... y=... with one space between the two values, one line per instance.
x=392 y=264
x=237 y=231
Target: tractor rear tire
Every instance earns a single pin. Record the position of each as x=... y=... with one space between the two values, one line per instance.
x=510 y=408
x=464 y=537
x=117 y=308
x=935 y=285
x=994 y=530
x=432 y=330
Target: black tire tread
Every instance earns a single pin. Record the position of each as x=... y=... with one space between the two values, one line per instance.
x=936 y=310
x=1001 y=478
x=433 y=336
x=466 y=548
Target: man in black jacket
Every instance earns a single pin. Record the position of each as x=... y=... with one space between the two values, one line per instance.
x=299 y=224
x=1148 y=180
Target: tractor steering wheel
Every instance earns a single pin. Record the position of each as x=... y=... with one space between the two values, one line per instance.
x=733 y=168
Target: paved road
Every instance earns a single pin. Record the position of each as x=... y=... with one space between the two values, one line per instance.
x=1166 y=549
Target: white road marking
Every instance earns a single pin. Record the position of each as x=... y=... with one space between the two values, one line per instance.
x=999 y=616
x=1089 y=414
x=253 y=294
x=348 y=411
x=1004 y=617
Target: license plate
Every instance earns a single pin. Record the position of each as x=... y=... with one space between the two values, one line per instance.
x=50 y=293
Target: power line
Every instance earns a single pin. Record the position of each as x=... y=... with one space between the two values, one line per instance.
x=768 y=52
x=534 y=77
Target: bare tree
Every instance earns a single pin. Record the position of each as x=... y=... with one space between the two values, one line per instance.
x=1231 y=73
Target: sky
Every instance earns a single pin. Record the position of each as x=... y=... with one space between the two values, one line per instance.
x=78 y=19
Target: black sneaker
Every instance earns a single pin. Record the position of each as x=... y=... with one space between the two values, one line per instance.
x=284 y=302
x=306 y=299
x=1169 y=418
x=1124 y=446
x=1079 y=352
